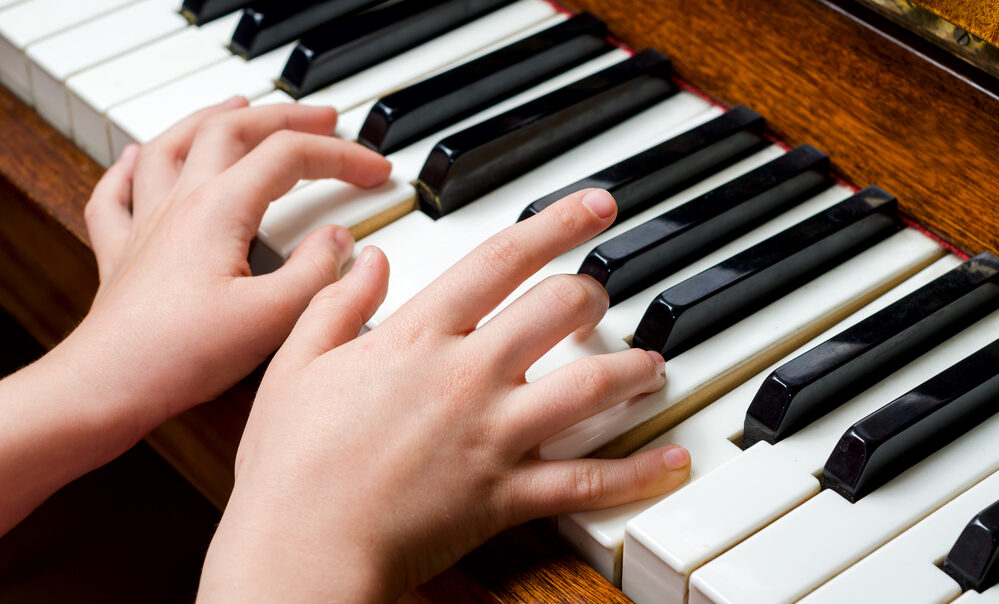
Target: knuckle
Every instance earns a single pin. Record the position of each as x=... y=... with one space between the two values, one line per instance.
x=588 y=484
x=282 y=139
x=567 y=294
x=594 y=381
x=501 y=254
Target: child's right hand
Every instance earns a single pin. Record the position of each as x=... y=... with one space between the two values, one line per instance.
x=368 y=465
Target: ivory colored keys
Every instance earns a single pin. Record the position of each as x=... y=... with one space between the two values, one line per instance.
x=907 y=569
x=142 y=118
x=56 y=58
x=350 y=44
x=600 y=535
x=827 y=533
x=838 y=369
x=25 y=23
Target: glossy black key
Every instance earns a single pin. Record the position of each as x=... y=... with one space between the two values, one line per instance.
x=636 y=259
x=267 y=24
x=203 y=11
x=671 y=166
x=907 y=430
x=972 y=562
x=474 y=161
x=835 y=371
x=714 y=299
x=345 y=46
x=424 y=108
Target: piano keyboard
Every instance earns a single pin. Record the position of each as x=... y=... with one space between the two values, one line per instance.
x=830 y=370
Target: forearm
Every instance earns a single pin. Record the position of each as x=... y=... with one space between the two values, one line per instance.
x=62 y=417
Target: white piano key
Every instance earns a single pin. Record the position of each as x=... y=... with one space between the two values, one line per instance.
x=905 y=570
x=826 y=534
x=145 y=117
x=446 y=240
x=726 y=359
x=456 y=45
x=286 y=224
x=93 y=92
x=56 y=58
x=6 y=3
x=989 y=596
x=28 y=22
x=599 y=535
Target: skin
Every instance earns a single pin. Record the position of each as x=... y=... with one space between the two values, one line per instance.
x=368 y=463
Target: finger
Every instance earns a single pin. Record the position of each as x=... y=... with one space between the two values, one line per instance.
x=315 y=263
x=548 y=488
x=241 y=194
x=583 y=388
x=338 y=312
x=532 y=324
x=485 y=277
x=223 y=138
x=108 y=218
x=160 y=161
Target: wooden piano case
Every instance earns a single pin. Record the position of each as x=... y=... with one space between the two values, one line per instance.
x=887 y=107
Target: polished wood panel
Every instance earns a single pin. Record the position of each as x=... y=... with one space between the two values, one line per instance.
x=977 y=17
x=885 y=113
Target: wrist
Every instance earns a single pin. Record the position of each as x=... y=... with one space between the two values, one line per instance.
x=266 y=552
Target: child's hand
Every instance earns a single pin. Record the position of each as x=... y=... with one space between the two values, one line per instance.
x=368 y=465
x=178 y=318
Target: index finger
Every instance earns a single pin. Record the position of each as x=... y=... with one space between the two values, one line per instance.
x=243 y=192
x=474 y=286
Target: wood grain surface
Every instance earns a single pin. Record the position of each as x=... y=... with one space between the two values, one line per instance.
x=978 y=18
x=885 y=114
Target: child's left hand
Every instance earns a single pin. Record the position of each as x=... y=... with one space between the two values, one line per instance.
x=178 y=318
x=178 y=313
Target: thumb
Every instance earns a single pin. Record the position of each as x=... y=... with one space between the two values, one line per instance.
x=339 y=311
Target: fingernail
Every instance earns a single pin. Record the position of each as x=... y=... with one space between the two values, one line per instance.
x=129 y=152
x=366 y=257
x=600 y=202
x=344 y=242
x=234 y=101
x=676 y=458
x=660 y=362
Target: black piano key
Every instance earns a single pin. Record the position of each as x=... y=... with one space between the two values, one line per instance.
x=424 y=108
x=972 y=560
x=343 y=47
x=636 y=259
x=656 y=173
x=714 y=299
x=200 y=12
x=267 y=24
x=907 y=430
x=835 y=371
x=470 y=163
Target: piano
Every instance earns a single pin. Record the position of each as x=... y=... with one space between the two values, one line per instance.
x=801 y=317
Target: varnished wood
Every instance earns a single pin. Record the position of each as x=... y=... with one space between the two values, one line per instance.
x=884 y=114
x=974 y=16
